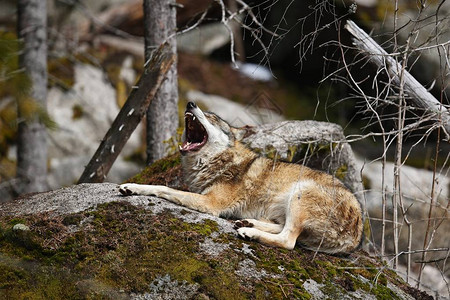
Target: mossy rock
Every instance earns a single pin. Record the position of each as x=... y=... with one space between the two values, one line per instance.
x=88 y=242
x=165 y=171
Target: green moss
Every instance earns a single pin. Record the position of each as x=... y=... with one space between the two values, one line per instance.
x=160 y=172
x=341 y=172
x=205 y=228
x=316 y=148
x=383 y=293
x=21 y=280
x=329 y=267
x=272 y=153
x=311 y=153
x=366 y=272
x=382 y=280
x=317 y=274
x=77 y=112
x=332 y=290
x=258 y=150
x=173 y=142
x=15 y=221
x=15 y=84
x=301 y=294
x=366 y=230
x=223 y=285
x=72 y=219
x=8 y=128
x=61 y=72
x=292 y=151
x=367 y=184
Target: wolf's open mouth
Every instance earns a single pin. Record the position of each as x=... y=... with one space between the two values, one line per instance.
x=196 y=135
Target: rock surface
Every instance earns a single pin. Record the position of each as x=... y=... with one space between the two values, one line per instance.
x=87 y=241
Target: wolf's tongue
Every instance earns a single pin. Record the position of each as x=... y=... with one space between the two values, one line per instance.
x=187 y=146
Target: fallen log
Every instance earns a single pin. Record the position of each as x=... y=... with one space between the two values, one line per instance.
x=129 y=116
x=417 y=94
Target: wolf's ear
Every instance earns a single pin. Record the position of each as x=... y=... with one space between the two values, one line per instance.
x=242 y=132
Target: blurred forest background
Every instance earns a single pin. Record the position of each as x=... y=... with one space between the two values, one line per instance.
x=253 y=62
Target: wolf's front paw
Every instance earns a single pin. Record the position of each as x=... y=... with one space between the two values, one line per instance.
x=247 y=233
x=128 y=189
x=242 y=223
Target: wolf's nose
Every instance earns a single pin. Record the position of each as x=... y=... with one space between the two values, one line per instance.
x=191 y=105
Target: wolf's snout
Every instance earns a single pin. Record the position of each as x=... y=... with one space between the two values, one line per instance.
x=191 y=105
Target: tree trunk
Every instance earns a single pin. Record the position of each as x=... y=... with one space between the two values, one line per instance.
x=162 y=115
x=129 y=116
x=32 y=134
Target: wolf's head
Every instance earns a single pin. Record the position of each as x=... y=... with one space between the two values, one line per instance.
x=208 y=147
x=204 y=133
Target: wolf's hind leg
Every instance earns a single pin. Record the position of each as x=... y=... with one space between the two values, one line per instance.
x=287 y=237
x=266 y=226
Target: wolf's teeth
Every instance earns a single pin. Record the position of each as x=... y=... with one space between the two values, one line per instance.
x=181 y=148
x=193 y=118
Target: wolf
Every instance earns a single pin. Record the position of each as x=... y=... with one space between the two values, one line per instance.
x=276 y=203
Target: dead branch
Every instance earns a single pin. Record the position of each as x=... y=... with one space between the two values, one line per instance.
x=416 y=92
x=129 y=116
